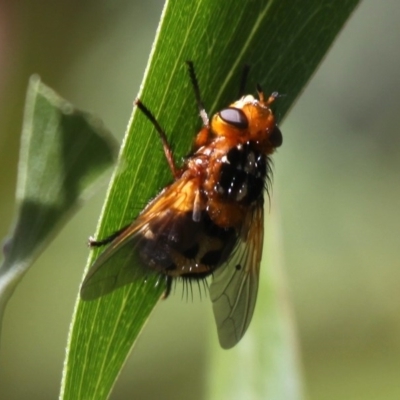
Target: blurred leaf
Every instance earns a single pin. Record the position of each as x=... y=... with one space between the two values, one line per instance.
x=63 y=151
x=284 y=43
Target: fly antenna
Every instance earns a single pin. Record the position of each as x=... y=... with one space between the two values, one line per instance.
x=260 y=93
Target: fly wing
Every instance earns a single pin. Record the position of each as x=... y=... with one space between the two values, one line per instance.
x=233 y=290
x=124 y=260
x=117 y=266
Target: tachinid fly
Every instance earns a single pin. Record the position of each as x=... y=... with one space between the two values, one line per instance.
x=209 y=221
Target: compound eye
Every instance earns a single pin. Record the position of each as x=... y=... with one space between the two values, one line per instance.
x=235 y=117
x=276 y=138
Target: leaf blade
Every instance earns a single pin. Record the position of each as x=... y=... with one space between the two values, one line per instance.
x=57 y=168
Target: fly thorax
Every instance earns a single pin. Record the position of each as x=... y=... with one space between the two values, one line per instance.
x=242 y=174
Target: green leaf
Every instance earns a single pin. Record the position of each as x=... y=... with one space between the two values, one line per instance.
x=283 y=42
x=63 y=151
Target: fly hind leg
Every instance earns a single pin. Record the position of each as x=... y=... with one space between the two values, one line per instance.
x=99 y=243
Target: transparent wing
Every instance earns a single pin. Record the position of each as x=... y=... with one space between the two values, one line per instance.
x=124 y=260
x=233 y=290
x=117 y=266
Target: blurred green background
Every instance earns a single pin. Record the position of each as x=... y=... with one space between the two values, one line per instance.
x=337 y=186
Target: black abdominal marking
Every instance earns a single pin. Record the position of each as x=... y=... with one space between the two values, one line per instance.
x=184 y=247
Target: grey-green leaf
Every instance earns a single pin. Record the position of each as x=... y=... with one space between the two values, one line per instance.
x=63 y=151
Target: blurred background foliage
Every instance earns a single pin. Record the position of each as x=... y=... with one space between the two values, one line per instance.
x=337 y=185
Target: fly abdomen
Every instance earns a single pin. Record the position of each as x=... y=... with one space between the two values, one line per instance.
x=176 y=245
